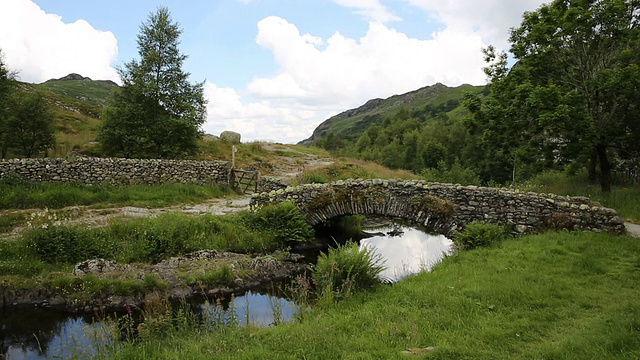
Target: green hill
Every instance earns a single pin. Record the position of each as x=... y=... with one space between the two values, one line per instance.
x=425 y=102
x=94 y=92
x=77 y=103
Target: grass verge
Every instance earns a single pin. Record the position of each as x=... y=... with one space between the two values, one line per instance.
x=25 y=195
x=550 y=296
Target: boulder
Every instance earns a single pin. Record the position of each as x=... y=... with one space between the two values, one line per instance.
x=230 y=136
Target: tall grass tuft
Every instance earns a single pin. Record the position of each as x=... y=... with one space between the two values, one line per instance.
x=479 y=234
x=346 y=269
x=284 y=222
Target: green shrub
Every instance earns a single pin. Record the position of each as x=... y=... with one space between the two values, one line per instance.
x=479 y=234
x=62 y=244
x=346 y=269
x=456 y=174
x=284 y=222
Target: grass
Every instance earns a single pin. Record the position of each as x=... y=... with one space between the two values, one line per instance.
x=97 y=93
x=550 y=296
x=624 y=199
x=49 y=248
x=353 y=168
x=26 y=195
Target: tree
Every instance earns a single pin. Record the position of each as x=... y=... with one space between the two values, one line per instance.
x=6 y=88
x=573 y=93
x=30 y=126
x=157 y=113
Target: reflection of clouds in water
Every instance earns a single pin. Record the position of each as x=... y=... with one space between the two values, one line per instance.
x=409 y=253
x=75 y=338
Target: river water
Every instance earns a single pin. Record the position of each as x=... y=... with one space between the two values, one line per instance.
x=406 y=250
x=50 y=333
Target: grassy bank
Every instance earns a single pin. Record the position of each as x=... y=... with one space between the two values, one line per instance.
x=551 y=296
x=49 y=250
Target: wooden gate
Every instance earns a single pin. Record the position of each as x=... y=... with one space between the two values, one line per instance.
x=244 y=180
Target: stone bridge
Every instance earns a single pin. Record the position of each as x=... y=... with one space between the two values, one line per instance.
x=445 y=207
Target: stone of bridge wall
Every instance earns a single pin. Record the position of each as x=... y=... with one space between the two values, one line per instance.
x=89 y=170
x=527 y=212
x=268 y=184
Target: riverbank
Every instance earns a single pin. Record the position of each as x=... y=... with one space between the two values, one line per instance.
x=554 y=295
x=99 y=285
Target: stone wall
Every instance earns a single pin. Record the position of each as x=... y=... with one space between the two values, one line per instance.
x=116 y=171
x=268 y=184
x=446 y=207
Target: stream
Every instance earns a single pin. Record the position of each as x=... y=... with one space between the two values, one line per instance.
x=45 y=333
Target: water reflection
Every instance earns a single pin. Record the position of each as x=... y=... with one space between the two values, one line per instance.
x=51 y=333
x=406 y=250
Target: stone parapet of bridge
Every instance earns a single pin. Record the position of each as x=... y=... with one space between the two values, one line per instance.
x=445 y=207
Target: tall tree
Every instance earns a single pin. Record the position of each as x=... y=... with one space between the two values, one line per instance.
x=30 y=126
x=157 y=113
x=573 y=93
x=6 y=88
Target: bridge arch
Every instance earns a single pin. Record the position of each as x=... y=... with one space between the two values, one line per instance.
x=445 y=207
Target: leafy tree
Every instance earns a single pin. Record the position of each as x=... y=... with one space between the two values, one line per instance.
x=6 y=88
x=573 y=93
x=157 y=113
x=30 y=126
x=433 y=153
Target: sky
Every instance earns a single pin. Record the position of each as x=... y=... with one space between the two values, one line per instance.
x=273 y=70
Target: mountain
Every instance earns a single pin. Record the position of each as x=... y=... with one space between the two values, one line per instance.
x=78 y=87
x=352 y=123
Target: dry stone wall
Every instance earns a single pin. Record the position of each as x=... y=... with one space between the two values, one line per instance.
x=95 y=171
x=445 y=207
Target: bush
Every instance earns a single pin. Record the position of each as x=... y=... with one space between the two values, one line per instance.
x=346 y=269
x=62 y=244
x=456 y=174
x=284 y=222
x=479 y=234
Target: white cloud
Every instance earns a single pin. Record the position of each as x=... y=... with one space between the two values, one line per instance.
x=273 y=120
x=41 y=46
x=314 y=81
x=492 y=19
x=371 y=9
x=348 y=71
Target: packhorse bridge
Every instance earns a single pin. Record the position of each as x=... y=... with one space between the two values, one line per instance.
x=445 y=207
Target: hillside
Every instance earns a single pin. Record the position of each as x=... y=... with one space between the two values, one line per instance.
x=95 y=92
x=77 y=103
x=423 y=102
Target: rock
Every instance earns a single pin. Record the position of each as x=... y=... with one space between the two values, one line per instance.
x=95 y=267
x=230 y=136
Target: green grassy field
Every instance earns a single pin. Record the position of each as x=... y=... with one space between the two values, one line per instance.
x=550 y=296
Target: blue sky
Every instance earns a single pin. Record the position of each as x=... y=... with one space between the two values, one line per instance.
x=274 y=69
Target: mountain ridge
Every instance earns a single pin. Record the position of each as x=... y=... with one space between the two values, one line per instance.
x=351 y=123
